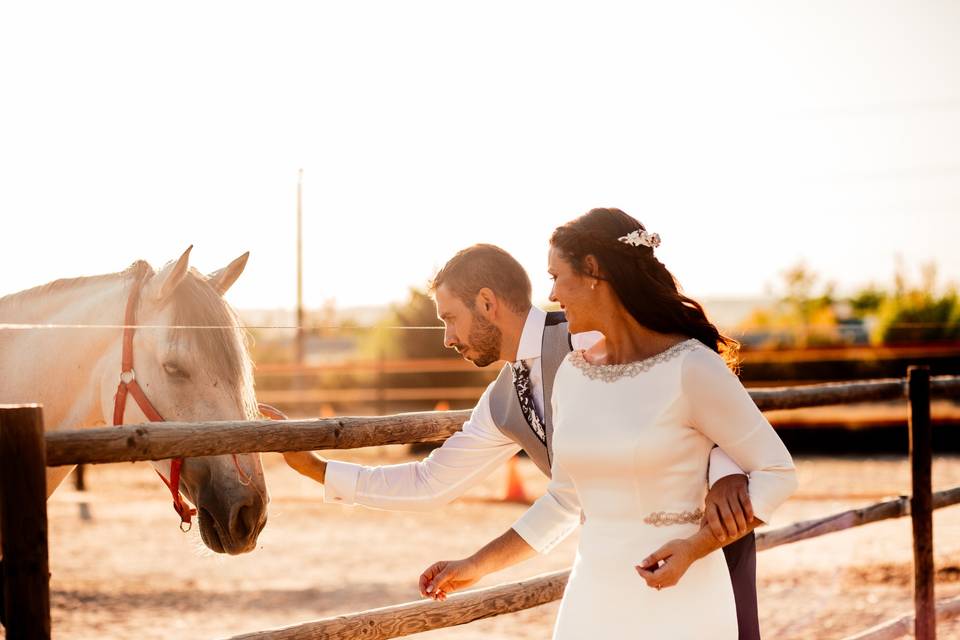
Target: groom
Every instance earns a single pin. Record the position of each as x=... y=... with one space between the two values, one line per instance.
x=483 y=297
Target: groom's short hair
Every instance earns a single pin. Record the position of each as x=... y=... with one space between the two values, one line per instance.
x=485 y=265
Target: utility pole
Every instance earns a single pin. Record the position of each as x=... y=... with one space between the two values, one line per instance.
x=300 y=267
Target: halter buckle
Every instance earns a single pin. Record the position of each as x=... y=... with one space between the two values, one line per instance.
x=126 y=377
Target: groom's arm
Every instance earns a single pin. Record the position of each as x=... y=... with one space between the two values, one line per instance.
x=727 y=507
x=464 y=459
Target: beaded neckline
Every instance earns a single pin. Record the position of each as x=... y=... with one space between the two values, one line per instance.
x=611 y=372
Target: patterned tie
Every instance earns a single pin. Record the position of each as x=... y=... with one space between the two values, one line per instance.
x=521 y=382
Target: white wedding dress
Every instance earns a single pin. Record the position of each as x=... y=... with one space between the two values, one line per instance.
x=631 y=444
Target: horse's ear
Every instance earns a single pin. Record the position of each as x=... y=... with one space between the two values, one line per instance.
x=173 y=278
x=223 y=279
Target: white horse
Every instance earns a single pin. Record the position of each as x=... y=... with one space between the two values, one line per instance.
x=188 y=375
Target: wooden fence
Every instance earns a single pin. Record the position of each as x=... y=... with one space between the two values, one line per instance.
x=380 y=384
x=25 y=452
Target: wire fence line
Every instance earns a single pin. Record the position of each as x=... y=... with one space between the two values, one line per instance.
x=23 y=326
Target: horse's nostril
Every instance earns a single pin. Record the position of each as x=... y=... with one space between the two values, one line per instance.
x=209 y=531
x=245 y=522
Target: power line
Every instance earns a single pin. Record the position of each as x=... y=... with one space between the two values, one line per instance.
x=14 y=326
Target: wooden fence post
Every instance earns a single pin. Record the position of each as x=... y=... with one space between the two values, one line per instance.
x=79 y=482
x=23 y=522
x=921 y=502
x=381 y=380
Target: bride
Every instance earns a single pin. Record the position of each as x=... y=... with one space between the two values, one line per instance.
x=635 y=418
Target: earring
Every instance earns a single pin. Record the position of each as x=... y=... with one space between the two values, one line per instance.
x=593 y=286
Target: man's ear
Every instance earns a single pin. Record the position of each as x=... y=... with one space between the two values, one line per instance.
x=486 y=302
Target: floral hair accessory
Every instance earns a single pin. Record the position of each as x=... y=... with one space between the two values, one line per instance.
x=641 y=237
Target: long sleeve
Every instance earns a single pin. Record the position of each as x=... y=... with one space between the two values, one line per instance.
x=723 y=411
x=556 y=513
x=464 y=459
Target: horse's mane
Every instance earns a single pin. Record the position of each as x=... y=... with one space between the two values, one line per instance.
x=70 y=283
x=224 y=351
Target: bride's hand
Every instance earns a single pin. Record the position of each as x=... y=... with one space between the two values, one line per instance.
x=448 y=576
x=677 y=556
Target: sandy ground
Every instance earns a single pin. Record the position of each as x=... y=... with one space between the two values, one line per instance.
x=126 y=571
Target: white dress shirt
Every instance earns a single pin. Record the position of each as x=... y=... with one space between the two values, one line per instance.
x=469 y=456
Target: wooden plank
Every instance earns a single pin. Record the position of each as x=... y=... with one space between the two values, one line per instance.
x=749 y=356
x=807 y=529
x=844 y=353
x=921 y=502
x=902 y=627
x=767 y=398
x=171 y=439
x=291 y=396
x=23 y=522
x=161 y=440
x=425 y=365
x=415 y=617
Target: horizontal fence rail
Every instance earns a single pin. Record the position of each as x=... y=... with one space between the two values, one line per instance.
x=903 y=626
x=748 y=355
x=416 y=617
x=162 y=440
x=159 y=441
x=849 y=519
x=413 y=617
x=372 y=394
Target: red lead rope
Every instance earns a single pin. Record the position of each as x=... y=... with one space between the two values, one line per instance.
x=128 y=384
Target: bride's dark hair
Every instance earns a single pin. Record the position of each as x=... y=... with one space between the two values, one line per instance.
x=646 y=289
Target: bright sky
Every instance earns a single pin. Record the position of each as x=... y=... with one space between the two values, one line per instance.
x=749 y=135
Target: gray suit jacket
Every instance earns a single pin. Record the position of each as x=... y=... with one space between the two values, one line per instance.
x=505 y=404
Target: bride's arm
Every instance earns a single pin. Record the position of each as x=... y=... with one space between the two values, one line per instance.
x=721 y=409
x=677 y=555
x=545 y=524
x=448 y=576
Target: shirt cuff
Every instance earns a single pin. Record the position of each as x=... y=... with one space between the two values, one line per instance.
x=721 y=466
x=340 y=482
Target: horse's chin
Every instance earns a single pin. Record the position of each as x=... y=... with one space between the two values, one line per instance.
x=213 y=537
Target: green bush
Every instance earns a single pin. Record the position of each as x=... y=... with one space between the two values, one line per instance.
x=918 y=316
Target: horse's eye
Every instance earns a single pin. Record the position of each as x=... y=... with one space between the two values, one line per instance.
x=175 y=372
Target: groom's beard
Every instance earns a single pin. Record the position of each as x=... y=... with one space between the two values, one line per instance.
x=485 y=338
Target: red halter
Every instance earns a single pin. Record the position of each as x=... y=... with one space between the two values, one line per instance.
x=128 y=383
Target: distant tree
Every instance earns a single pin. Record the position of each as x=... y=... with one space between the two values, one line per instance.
x=390 y=340
x=918 y=314
x=812 y=313
x=801 y=316
x=867 y=301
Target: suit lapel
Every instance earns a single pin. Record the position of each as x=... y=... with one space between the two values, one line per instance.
x=552 y=354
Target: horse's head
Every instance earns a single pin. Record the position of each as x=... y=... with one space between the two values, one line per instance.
x=200 y=374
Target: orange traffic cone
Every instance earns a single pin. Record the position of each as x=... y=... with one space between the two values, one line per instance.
x=515 y=492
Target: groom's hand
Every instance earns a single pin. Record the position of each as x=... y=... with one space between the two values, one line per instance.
x=307 y=463
x=727 y=509
x=303 y=462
